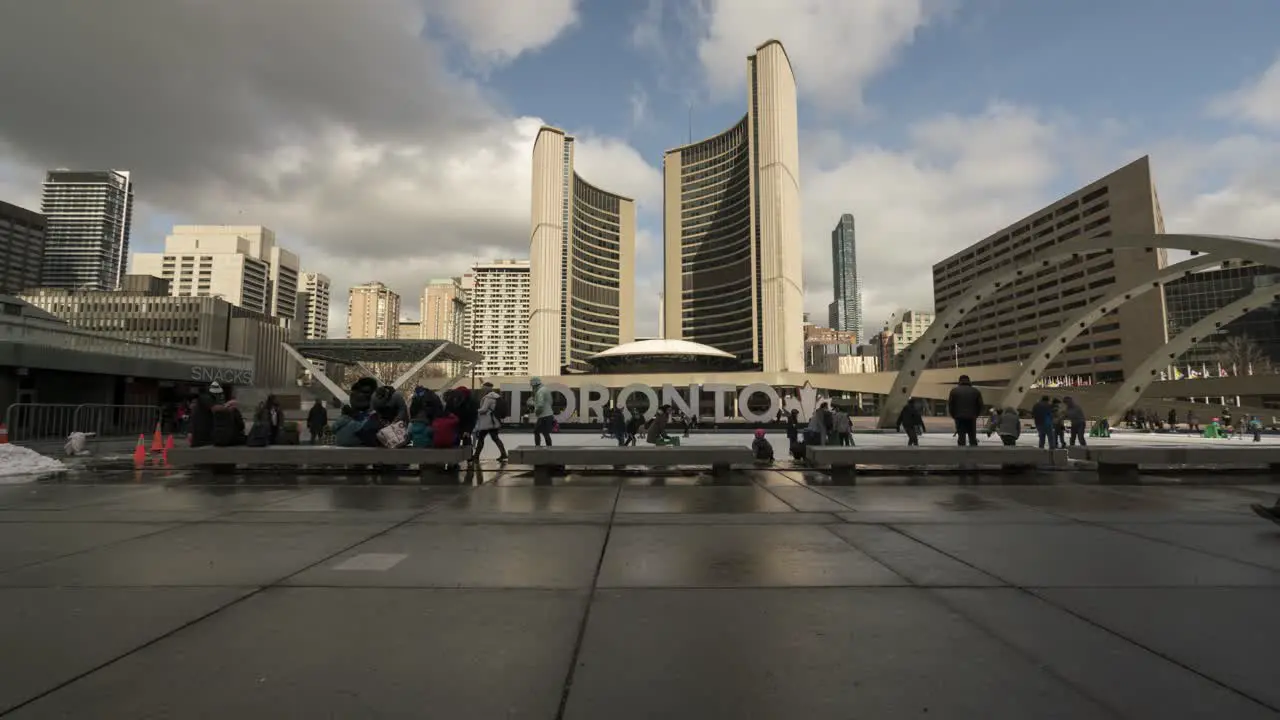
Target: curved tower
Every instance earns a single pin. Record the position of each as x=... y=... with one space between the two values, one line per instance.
x=732 y=250
x=582 y=262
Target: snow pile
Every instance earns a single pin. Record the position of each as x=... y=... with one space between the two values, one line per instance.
x=19 y=464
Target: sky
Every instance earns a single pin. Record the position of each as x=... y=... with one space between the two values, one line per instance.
x=392 y=140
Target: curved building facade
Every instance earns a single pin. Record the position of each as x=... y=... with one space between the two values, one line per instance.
x=582 y=263
x=732 y=247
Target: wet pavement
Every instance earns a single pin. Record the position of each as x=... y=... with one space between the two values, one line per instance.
x=161 y=594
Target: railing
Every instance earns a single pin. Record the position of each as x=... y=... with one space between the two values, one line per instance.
x=34 y=422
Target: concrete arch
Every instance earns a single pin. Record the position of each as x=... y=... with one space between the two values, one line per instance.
x=1132 y=389
x=917 y=357
x=1033 y=368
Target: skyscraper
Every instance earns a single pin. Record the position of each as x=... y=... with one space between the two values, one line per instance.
x=316 y=288
x=21 y=248
x=582 y=246
x=373 y=312
x=846 y=311
x=498 y=310
x=732 y=247
x=442 y=309
x=242 y=264
x=88 y=215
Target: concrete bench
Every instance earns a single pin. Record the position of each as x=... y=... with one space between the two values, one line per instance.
x=1229 y=455
x=429 y=460
x=844 y=461
x=545 y=459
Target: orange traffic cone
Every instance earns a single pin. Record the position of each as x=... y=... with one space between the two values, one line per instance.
x=168 y=443
x=157 y=442
x=4 y=434
x=140 y=452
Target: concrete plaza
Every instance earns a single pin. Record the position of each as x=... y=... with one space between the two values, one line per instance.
x=630 y=596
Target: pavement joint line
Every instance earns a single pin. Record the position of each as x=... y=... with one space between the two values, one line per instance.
x=1035 y=592
x=808 y=487
x=1171 y=543
x=201 y=618
x=910 y=583
x=567 y=688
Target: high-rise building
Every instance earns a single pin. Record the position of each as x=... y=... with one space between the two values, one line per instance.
x=582 y=249
x=88 y=215
x=498 y=314
x=732 y=247
x=241 y=264
x=845 y=313
x=1008 y=326
x=910 y=326
x=373 y=312
x=409 y=329
x=443 y=309
x=22 y=234
x=316 y=287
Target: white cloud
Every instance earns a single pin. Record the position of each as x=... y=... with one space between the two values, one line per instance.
x=1257 y=101
x=498 y=31
x=835 y=46
x=960 y=179
x=367 y=157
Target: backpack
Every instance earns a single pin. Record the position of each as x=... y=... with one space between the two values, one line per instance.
x=501 y=408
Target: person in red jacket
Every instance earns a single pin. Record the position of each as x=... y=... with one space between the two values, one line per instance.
x=444 y=431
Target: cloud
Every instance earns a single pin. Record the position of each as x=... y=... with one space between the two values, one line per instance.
x=334 y=123
x=958 y=180
x=1257 y=101
x=835 y=46
x=498 y=31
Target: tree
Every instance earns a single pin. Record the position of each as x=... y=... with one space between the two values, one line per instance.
x=1239 y=353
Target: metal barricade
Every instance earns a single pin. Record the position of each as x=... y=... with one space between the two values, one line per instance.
x=116 y=421
x=37 y=422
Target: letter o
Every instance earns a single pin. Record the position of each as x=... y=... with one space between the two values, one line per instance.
x=570 y=402
x=744 y=409
x=645 y=390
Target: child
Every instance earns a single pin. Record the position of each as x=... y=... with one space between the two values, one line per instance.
x=761 y=448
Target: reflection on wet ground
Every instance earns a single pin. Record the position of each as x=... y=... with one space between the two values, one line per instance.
x=155 y=593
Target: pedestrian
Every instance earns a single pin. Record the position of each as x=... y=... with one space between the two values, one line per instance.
x=1255 y=427
x=844 y=429
x=1173 y=420
x=761 y=448
x=1009 y=426
x=1059 y=423
x=1193 y=422
x=964 y=405
x=909 y=421
x=543 y=415
x=1076 y=420
x=317 y=421
x=489 y=421
x=1042 y=416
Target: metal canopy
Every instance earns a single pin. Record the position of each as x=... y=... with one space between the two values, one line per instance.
x=351 y=352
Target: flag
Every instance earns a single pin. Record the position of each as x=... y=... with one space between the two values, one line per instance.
x=1204 y=371
x=1250 y=368
x=1235 y=372
x=1177 y=374
x=1222 y=372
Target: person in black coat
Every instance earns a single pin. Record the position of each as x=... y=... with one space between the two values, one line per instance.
x=317 y=421
x=964 y=405
x=910 y=421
